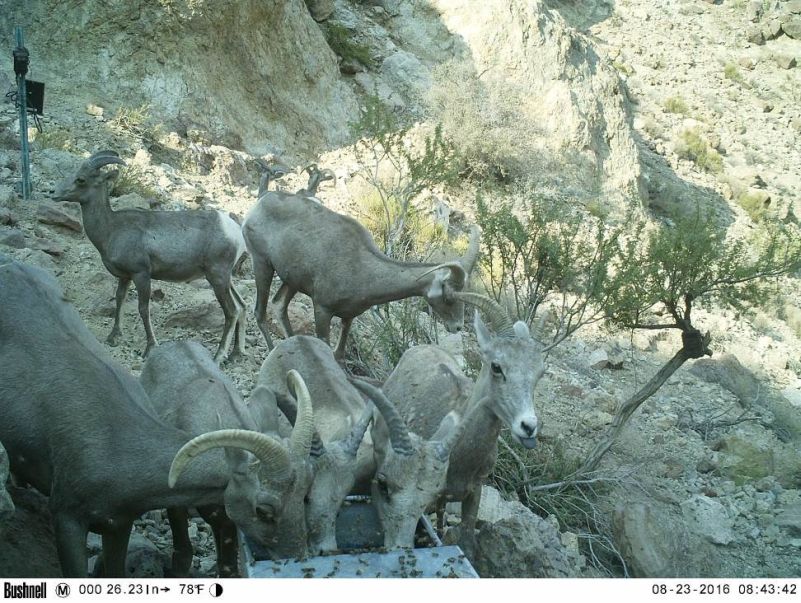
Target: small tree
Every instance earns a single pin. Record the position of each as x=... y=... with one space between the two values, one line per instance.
x=537 y=251
x=397 y=169
x=676 y=269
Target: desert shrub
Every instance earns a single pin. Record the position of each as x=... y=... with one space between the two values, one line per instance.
x=537 y=251
x=732 y=72
x=133 y=180
x=397 y=162
x=676 y=104
x=543 y=480
x=693 y=146
x=340 y=40
x=754 y=204
x=135 y=123
x=55 y=138
x=492 y=135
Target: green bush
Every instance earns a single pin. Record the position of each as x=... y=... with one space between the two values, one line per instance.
x=694 y=147
x=132 y=180
x=676 y=104
x=538 y=250
x=340 y=40
x=754 y=204
x=54 y=138
x=732 y=72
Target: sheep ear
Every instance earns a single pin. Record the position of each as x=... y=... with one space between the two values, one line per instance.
x=521 y=330
x=483 y=335
x=111 y=176
x=437 y=288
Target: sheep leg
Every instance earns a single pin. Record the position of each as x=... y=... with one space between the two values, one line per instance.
x=467 y=528
x=339 y=353
x=115 y=550
x=122 y=290
x=241 y=323
x=285 y=293
x=222 y=291
x=142 y=284
x=71 y=545
x=225 y=539
x=181 y=545
x=263 y=273
x=322 y=323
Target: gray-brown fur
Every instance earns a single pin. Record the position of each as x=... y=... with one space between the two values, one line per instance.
x=334 y=260
x=140 y=246
x=81 y=429
x=427 y=384
x=340 y=417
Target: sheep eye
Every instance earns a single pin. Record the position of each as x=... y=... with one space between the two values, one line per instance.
x=496 y=369
x=80 y=181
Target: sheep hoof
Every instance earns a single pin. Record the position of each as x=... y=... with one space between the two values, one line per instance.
x=113 y=339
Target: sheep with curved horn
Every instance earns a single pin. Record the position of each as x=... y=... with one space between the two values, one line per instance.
x=334 y=260
x=177 y=246
x=283 y=528
x=81 y=429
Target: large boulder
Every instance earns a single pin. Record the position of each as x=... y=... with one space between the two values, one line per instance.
x=655 y=541
x=513 y=542
x=254 y=73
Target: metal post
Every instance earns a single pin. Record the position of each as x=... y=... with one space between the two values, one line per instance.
x=20 y=69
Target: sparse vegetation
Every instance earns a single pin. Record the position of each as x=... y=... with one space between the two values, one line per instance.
x=754 y=204
x=676 y=104
x=55 y=138
x=539 y=252
x=732 y=72
x=132 y=180
x=340 y=40
x=135 y=123
x=694 y=147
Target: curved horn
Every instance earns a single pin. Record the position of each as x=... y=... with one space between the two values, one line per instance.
x=470 y=256
x=458 y=273
x=290 y=409
x=354 y=439
x=272 y=454
x=501 y=323
x=398 y=431
x=101 y=158
x=301 y=439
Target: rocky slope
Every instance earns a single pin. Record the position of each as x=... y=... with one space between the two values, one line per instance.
x=707 y=478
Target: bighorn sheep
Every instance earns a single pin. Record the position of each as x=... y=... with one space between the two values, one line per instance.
x=333 y=259
x=427 y=384
x=176 y=246
x=410 y=470
x=402 y=461
x=189 y=391
x=316 y=176
x=269 y=173
x=81 y=429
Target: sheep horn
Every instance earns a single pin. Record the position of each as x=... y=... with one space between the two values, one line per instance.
x=301 y=439
x=398 y=431
x=101 y=158
x=269 y=451
x=458 y=273
x=498 y=317
x=351 y=443
x=468 y=261
x=290 y=409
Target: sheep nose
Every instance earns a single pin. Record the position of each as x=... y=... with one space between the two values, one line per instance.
x=458 y=328
x=529 y=427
